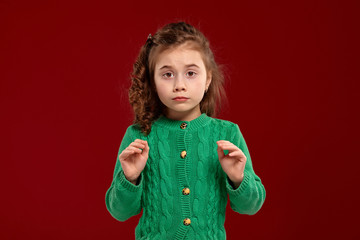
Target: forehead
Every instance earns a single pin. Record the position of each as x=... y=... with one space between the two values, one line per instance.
x=179 y=56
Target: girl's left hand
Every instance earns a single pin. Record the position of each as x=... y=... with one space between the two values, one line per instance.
x=233 y=163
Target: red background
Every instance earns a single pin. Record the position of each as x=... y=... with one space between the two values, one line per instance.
x=291 y=68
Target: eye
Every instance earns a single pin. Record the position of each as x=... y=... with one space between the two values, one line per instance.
x=167 y=75
x=192 y=74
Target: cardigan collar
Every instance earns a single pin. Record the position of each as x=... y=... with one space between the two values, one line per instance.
x=196 y=123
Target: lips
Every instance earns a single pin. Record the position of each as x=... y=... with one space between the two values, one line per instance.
x=181 y=97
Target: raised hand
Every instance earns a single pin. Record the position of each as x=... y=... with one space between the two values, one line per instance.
x=133 y=159
x=233 y=163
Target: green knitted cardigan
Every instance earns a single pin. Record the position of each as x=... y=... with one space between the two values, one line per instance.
x=159 y=189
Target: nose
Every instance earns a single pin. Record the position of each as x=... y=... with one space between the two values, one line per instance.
x=179 y=84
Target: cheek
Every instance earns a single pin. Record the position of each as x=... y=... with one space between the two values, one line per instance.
x=199 y=85
x=162 y=90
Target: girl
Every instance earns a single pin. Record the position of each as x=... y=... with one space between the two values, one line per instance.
x=177 y=162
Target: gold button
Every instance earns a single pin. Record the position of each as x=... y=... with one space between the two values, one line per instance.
x=183 y=154
x=187 y=221
x=186 y=191
x=183 y=125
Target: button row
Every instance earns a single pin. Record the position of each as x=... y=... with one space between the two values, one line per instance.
x=185 y=191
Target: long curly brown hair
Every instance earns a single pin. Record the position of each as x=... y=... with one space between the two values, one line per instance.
x=142 y=92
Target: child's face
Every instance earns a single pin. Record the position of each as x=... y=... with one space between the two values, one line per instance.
x=181 y=72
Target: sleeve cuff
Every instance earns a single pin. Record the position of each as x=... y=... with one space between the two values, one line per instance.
x=123 y=183
x=243 y=185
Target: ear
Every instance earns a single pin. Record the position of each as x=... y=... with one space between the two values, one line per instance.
x=208 y=80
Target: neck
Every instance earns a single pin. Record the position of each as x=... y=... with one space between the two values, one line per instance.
x=184 y=116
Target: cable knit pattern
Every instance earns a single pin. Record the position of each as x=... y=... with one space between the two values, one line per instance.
x=153 y=197
x=200 y=181
x=168 y=211
x=164 y=168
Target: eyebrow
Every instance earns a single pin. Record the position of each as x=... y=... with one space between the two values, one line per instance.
x=189 y=65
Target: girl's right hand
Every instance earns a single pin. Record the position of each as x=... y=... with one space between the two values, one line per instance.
x=133 y=159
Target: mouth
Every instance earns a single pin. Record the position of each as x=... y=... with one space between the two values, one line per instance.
x=180 y=98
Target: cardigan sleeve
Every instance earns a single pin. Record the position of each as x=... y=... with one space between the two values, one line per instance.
x=250 y=195
x=123 y=199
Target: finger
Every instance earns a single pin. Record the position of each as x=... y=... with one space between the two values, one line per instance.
x=220 y=153
x=146 y=149
x=137 y=144
x=237 y=154
x=140 y=141
x=229 y=147
x=126 y=153
x=224 y=143
x=135 y=149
